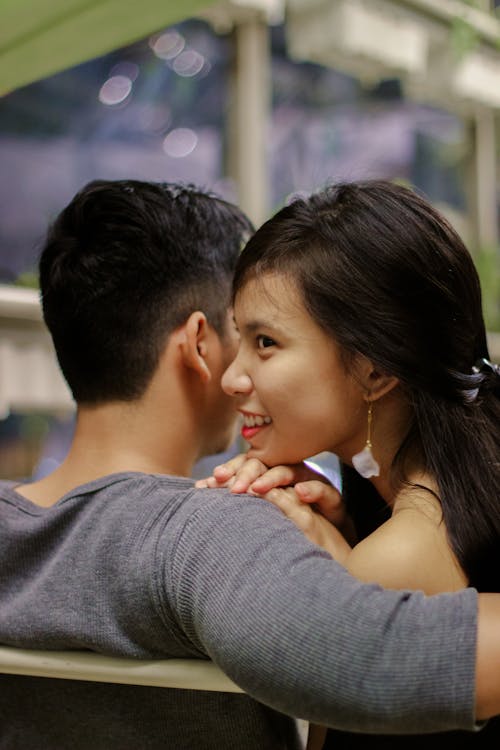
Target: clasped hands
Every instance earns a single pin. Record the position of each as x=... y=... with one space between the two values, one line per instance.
x=303 y=495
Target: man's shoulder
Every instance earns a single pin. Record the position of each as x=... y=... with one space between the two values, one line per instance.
x=127 y=486
x=125 y=493
x=138 y=494
x=163 y=487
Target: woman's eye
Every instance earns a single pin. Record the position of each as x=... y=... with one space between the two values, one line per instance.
x=264 y=342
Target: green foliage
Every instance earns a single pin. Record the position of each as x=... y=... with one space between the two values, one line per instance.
x=488 y=267
x=27 y=279
x=464 y=37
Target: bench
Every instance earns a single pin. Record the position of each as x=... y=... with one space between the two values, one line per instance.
x=187 y=674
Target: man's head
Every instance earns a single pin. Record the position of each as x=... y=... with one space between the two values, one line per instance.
x=124 y=265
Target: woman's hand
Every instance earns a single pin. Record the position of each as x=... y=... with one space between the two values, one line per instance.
x=238 y=474
x=242 y=474
x=312 y=524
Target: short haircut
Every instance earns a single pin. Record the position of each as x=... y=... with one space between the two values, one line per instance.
x=125 y=264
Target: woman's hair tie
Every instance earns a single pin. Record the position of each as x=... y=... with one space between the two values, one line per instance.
x=484 y=373
x=484 y=365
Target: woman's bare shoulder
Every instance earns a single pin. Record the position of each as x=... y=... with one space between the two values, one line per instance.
x=409 y=551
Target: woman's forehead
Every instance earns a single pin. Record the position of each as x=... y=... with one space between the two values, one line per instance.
x=269 y=287
x=276 y=292
x=274 y=301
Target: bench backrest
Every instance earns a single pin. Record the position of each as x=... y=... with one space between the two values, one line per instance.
x=188 y=674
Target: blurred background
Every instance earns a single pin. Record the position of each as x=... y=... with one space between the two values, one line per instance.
x=257 y=100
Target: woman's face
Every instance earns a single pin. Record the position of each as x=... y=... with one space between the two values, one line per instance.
x=294 y=393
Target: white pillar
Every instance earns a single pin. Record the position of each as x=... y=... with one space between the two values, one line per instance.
x=481 y=181
x=486 y=179
x=249 y=116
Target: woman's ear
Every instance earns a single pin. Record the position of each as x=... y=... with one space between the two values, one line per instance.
x=194 y=345
x=373 y=381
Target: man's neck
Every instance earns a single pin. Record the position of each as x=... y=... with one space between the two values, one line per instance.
x=116 y=438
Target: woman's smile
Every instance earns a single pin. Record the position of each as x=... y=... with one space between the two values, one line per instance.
x=253 y=424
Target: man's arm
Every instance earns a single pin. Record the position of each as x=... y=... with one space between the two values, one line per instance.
x=488 y=657
x=296 y=631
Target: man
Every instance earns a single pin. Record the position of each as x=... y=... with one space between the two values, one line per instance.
x=116 y=552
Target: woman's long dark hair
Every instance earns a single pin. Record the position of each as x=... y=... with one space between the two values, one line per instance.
x=387 y=277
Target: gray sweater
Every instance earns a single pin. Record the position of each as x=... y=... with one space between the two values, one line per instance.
x=146 y=566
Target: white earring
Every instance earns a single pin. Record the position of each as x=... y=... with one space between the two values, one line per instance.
x=364 y=462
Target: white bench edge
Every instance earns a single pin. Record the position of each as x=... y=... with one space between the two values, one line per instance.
x=184 y=674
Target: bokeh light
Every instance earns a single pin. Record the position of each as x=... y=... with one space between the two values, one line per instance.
x=127 y=69
x=180 y=142
x=167 y=45
x=115 y=90
x=188 y=63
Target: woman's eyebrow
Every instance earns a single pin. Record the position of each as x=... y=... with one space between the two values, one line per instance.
x=251 y=326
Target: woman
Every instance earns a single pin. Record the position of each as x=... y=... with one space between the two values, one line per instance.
x=359 y=311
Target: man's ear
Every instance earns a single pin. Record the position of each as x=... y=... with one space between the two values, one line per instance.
x=373 y=381
x=193 y=345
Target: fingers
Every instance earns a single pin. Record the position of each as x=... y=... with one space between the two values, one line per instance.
x=283 y=476
x=242 y=474
x=225 y=471
x=222 y=474
x=278 y=476
x=247 y=474
x=256 y=478
x=238 y=474
x=313 y=525
x=291 y=506
x=326 y=499
x=207 y=483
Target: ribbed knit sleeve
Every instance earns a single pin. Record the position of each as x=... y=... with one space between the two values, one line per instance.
x=295 y=631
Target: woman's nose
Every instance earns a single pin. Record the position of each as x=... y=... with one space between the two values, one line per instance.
x=235 y=380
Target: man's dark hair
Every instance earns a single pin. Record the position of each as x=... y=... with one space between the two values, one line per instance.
x=124 y=264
